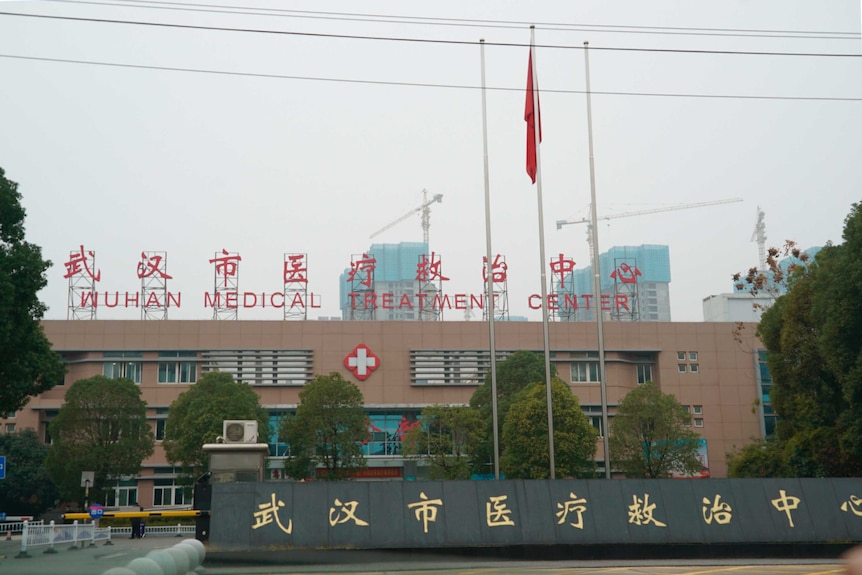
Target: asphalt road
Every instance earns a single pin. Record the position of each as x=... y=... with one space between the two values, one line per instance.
x=99 y=558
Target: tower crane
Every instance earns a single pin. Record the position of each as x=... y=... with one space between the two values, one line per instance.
x=561 y=223
x=425 y=208
x=759 y=235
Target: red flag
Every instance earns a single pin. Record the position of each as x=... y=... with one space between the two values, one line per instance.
x=530 y=117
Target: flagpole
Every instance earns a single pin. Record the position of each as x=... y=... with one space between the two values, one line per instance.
x=597 y=282
x=489 y=286
x=537 y=134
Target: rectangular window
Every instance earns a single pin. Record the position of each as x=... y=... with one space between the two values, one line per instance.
x=124 y=495
x=160 y=430
x=8 y=415
x=644 y=372
x=10 y=428
x=174 y=369
x=692 y=356
x=167 y=494
x=680 y=368
x=584 y=371
x=698 y=409
x=594 y=412
x=694 y=368
x=698 y=422
x=117 y=365
x=680 y=356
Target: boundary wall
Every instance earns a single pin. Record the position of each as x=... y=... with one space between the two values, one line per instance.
x=462 y=514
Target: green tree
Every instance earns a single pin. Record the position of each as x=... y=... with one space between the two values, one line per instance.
x=649 y=435
x=446 y=439
x=197 y=415
x=813 y=336
x=525 y=435
x=101 y=427
x=327 y=430
x=837 y=307
x=514 y=374
x=28 y=365
x=27 y=489
x=762 y=458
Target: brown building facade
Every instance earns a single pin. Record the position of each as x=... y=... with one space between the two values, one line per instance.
x=715 y=369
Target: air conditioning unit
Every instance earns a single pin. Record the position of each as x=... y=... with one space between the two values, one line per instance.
x=240 y=431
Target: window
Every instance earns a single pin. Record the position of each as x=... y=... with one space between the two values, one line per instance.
x=126 y=493
x=10 y=428
x=698 y=422
x=681 y=368
x=8 y=415
x=694 y=368
x=692 y=356
x=387 y=430
x=698 y=409
x=644 y=372
x=174 y=369
x=160 y=430
x=167 y=494
x=594 y=412
x=585 y=371
x=121 y=367
x=680 y=356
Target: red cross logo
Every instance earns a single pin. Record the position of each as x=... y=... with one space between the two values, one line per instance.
x=361 y=362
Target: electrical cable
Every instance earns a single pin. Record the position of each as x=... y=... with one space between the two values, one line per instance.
x=421 y=40
x=424 y=84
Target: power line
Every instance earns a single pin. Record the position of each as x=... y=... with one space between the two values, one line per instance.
x=417 y=40
x=468 y=22
x=424 y=84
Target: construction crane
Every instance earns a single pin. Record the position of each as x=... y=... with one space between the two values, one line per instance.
x=561 y=223
x=759 y=235
x=425 y=208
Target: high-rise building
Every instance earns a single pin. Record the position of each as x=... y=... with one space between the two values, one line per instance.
x=635 y=285
x=378 y=280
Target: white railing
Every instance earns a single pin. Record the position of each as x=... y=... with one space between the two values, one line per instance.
x=159 y=530
x=51 y=535
x=37 y=534
x=9 y=527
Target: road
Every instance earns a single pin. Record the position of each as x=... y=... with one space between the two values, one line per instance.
x=98 y=559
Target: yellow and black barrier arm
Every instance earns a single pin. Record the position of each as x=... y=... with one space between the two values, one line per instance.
x=141 y=514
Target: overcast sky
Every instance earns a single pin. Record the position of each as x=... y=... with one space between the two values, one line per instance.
x=310 y=142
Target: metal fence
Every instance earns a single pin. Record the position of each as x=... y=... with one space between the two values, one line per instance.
x=52 y=535
x=10 y=527
x=158 y=531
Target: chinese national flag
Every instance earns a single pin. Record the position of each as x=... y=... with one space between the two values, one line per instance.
x=531 y=115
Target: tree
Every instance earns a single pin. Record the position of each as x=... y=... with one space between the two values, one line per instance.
x=27 y=489
x=762 y=458
x=649 y=435
x=28 y=365
x=514 y=374
x=101 y=427
x=446 y=439
x=525 y=435
x=197 y=415
x=327 y=430
x=813 y=336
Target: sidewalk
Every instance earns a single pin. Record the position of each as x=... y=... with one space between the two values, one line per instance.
x=82 y=561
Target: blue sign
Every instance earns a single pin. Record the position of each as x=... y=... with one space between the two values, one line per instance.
x=2 y=467
x=96 y=510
